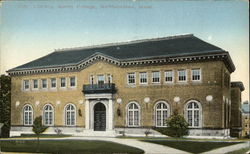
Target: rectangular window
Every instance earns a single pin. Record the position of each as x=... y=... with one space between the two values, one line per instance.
x=143 y=78
x=169 y=76
x=72 y=81
x=182 y=75
x=63 y=82
x=131 y=78
x=155 y=77
x=35 y=84
x=26 y=84
x=53 y=82
x=44 y=83
x=196 y=74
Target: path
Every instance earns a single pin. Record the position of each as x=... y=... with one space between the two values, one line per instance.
x=229 y=148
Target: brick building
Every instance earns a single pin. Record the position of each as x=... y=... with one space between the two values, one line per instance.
x=245 y=119
x=126 y=87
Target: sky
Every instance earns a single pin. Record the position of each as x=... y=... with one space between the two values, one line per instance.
x=32 y=29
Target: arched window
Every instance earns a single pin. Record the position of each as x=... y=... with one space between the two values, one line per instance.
x=27 y=115
x=194 y=113
x=133 y=114
x=48 y=115
x=161 y=114
x=70 y=115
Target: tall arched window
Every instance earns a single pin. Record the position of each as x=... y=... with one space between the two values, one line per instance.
x=27 y=115
x=161 y=114
x=48 y=115
x=194 y=113
x=70 y=115
x=133 y=114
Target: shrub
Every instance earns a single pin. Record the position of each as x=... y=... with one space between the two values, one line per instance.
x=177 y=126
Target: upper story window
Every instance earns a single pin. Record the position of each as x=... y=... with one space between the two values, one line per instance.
x=169 y=75
x=44 y=83
x=35 y=84
x=156 y=77
x=196 y=74
x=182 y=75
x=110 y=78
x=53 y=82
x=72 y=81
x=100 y=79
x=131 y=78
x=26 y=84
x=143 y=78
x=63 y=82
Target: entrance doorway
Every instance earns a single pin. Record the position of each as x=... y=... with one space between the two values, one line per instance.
x=99 y=117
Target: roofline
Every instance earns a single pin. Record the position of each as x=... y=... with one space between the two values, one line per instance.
x=184 y=55
x=125 y=43
x=238 y=84
x=213 y=56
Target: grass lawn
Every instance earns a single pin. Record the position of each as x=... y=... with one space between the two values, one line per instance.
x=241 y=151
x=67 y=146
x=192 y=146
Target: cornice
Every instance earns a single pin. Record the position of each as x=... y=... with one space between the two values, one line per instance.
x=238 y=84
x=225 y=57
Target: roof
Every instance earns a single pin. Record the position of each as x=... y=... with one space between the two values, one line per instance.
x=245 y=107
x=238 y=84
x=181 y=45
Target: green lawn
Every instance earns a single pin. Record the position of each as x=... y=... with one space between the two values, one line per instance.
x=192 y=146
x=241 y=151
x=67 y=146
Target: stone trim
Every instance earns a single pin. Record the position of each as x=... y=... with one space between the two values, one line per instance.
x=225 y=57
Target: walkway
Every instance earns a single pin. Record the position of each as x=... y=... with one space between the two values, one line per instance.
x=229 y=148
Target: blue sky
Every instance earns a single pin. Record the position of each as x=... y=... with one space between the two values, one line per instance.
x=31 y=29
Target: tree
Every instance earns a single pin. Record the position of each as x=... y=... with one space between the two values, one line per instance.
x=5 y=100
x=38 y=128
x=177 y=126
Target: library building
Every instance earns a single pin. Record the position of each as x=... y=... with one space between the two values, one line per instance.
x=128 y=88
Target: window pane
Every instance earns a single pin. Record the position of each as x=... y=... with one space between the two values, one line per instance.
x=143 y=77
x=63 y=82
x=182 y=75
x=26 y=84
x=53 y=82
x=35 y=84
x=169 y=76
x=131 y=78
x=72 y=81
x=44 y=83
x=156 y=77
x=196 y=74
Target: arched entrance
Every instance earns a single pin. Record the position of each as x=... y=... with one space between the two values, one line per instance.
x=99 y=117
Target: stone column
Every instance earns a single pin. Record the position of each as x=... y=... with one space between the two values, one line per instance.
x=111 y=115
x=87 y=114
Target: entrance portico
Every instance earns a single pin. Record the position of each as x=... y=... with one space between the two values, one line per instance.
x=99 y=109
